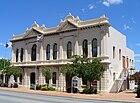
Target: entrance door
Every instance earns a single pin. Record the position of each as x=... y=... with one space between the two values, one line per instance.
x=32 y=78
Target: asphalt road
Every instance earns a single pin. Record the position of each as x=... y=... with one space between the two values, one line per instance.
x=18 y=97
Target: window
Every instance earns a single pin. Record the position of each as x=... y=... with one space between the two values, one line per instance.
x=48 y=52
x=113 y=52
x=21 y=55
x=17 y=55
x=124 y=62
x=85 y=48
x=69 y=49
x=33 y=54
x=120 y=54
x=94 y=47
x=54 y=78
x=127 y=62
x=55 y=51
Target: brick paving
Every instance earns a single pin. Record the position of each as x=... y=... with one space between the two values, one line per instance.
x=126 y=96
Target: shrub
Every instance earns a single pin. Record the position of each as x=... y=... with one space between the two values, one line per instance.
x=4 y=85
x=43 y=88
x=32 y=86
x=90 y=91
x=15 y=85
x=95 y=91
x=51 y=89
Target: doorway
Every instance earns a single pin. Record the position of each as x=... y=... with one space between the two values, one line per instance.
x=32 y=78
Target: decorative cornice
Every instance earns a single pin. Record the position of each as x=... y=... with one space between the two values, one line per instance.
x=75 y=22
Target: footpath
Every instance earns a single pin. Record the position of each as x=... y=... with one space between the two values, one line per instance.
x=126 y=96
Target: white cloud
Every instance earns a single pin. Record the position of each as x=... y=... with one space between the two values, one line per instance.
x=126 y=27
x=137 y=55
x=106 y=3
x=111 y=2
x=91 y=6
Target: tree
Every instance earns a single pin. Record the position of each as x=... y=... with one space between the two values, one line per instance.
x=136 y=76
x=4 y=64
x=88 y=69
x=93 y=70
x=46 y=72
x=16 y=71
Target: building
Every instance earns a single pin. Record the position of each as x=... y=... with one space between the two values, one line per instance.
x=54 y=47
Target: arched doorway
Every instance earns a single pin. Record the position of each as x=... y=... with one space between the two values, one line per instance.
x=32 y=78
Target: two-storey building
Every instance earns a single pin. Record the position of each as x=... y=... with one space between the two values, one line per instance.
x=54 y=47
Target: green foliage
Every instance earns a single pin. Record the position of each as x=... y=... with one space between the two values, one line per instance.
x=44 y=88
x=90 y=91
x=88 y=69
x=32 y=86
x=4 y=85
x=51 y=89
x=136 y=77
x=13 y=71
x=46 y=72
x=4 y=64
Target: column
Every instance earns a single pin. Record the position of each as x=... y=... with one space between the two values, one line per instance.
x=26 y=82
x=4 y=77
x=75 y=46
x=103 y=42
x=105 y=80
x=41 y=77
x=62 y=82
x=89 y=49
x=61 y=55
x=41 y=52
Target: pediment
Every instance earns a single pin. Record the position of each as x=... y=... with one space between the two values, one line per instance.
x=67 y=25
x=32 y=33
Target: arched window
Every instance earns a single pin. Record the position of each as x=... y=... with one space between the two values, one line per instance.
x=48 y=52
x=33 y=54
x=85 y=48
x=17 y=55
x=55 y=51
x=69 y=49
x=54 y=78
x=21 y=55
x=94 y=47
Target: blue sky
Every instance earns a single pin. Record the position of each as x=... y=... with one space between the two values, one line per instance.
x=17 y=15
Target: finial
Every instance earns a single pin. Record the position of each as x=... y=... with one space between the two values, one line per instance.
x=69 y=13
x=103 y=16
x=27 y=29
x=77 y=17
x=43 y=25
x=35 y=22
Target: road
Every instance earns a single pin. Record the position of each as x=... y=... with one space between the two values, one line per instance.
x=18 y=97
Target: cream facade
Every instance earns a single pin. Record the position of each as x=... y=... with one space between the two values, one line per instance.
x=110 y=47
